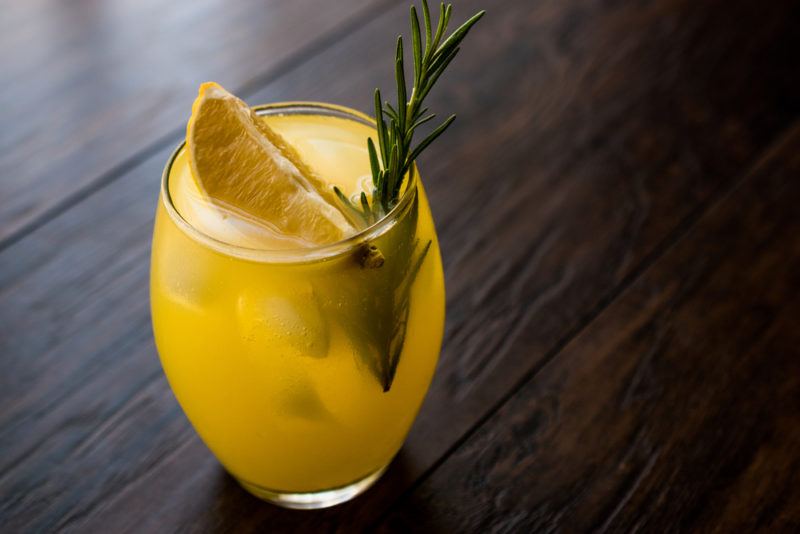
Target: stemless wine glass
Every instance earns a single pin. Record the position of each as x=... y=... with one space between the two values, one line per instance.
x=302 y=370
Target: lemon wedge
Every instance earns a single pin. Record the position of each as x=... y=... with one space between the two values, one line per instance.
x=239 y=162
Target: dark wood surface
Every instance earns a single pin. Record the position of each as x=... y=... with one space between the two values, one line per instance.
x=617 y=207
x=91 y=87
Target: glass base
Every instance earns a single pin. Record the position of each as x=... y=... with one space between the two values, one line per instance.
x=314 y=499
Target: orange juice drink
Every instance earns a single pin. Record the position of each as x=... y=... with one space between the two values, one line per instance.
x=302 y=365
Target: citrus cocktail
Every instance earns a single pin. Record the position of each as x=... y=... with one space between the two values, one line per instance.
x=297 y=291
x=277 y=352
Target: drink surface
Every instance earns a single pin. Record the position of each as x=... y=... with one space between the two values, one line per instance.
x=283 y=368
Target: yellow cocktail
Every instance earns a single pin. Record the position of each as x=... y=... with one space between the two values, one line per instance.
x=301 y=366
x=296 y=283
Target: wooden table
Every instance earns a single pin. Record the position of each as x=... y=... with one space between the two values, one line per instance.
x=619 y=210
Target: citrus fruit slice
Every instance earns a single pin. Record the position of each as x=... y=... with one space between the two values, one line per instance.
x=242 y=164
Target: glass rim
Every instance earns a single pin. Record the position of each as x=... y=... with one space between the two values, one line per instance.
x=294 y=255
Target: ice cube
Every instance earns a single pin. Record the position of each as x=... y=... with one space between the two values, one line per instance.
x=302 y=400
x=197 y=285
x=283 y=323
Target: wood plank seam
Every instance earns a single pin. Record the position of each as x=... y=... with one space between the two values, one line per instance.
x=251 y=86
x=666 y=244
x=136 y=334
x=69 y=520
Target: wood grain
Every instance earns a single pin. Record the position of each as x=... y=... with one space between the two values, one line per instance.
x=90 y=87
x=589 y=135
x=678 y=409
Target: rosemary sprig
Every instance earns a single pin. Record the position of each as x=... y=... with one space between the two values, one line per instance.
x=394 y=156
